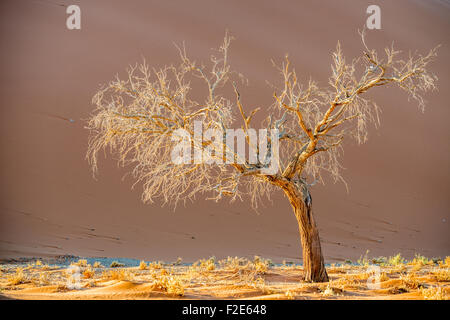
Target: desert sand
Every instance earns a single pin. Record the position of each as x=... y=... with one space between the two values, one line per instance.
x=50 y=204
x=231 y=278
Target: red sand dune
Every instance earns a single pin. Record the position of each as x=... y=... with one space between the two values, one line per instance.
x=50 y=204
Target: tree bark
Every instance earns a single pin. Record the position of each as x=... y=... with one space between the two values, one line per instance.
x=313 y=263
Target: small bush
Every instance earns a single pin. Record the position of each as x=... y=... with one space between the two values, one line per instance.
x=81 y=263
x=206 y=265
x=410 y=281
x=121 y=274
x=420 y=260
x=441 y=275
x=233 y=263
x=142 y=265
x=17 y=278
x=155 y=265
x=447 y=261
x=170 y=284
x=289 y=295
x=396 y=260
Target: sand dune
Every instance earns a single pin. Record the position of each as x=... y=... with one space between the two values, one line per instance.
x=50 y=204
x=229 y=279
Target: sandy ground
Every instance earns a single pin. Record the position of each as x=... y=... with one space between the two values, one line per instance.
x=232 y=278
x=50 y=204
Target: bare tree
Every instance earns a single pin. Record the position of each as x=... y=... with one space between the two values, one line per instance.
x=136 y=118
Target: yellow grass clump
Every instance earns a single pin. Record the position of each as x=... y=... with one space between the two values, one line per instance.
x=155 y=265
x=170 y=284
x=121 y=274
x=142 y=265
x=421 y=261
x=17 y=278
x=43 y=279
x=88 y=273
x=396 y=260
x=261 y=266
x=116 y=264
x=447 y=261
x=329 y=291
x=441 y=275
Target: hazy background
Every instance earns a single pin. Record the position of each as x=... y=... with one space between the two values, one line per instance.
x=50 y=204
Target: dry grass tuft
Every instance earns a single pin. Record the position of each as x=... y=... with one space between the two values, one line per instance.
x=142 y=265
x=420 y=261
x=206 y=264
x=396 y=260
x=17 y=278
x=441 y=275
x=330 y=291
x=116 y=264
x=447 y=261
x=121 y=274
x=81 y=263
x=434 y=293
x=88 y=273
x=155 y=265
x=44 y=279
x=169 y=283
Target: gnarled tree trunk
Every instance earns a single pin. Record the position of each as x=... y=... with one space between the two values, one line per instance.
x=313 y=263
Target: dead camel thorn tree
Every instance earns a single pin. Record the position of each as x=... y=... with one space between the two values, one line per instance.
x=137 y=117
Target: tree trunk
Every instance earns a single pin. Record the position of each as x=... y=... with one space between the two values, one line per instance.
x=313 y=263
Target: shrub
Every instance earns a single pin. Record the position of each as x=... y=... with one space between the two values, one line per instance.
x=364 y=260
x=261 y=266
x=421 y=260
x=155 y=265
x=121 y=274
x=447 y=261
x=17 y=278
x=206 y=265
x=88 y=273
x=142 y=265
x=441 y=275
x=81 y=263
